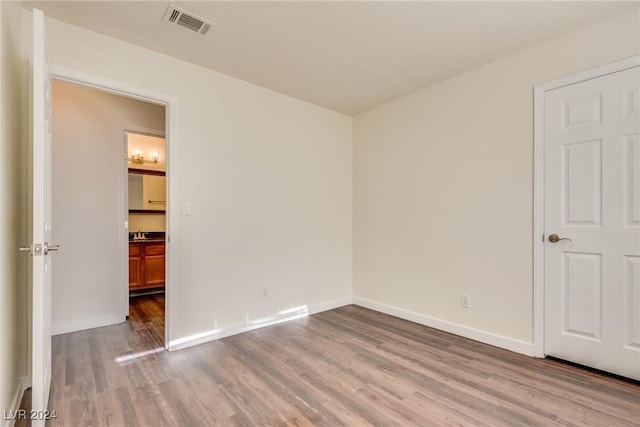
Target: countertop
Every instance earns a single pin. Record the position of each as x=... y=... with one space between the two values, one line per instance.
x=150 y=237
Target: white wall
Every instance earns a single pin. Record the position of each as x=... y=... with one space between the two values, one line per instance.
x=268 y=178
x=443 y=185
x=88 y=151
x=140 y=189
x=13 y=69
x=147 y=222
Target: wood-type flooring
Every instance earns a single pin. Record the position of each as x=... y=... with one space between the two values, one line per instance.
x=346 y=367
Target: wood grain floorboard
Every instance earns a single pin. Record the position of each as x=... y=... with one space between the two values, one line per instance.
x=345 y=367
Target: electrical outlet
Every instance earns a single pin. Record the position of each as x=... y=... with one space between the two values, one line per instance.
x=265 y=292
x=465 y=300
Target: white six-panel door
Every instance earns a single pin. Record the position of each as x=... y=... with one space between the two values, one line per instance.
x=592 y=197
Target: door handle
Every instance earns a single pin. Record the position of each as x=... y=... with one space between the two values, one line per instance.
x=39 y=249
x=50 y=248
x=554 y=238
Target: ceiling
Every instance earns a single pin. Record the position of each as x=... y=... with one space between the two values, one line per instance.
x=346 y=56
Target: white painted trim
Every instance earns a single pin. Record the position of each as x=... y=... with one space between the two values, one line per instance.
x=614 y=67
x=14 y=405
x=172 y=216
x=538 y=222
x=330 y=305
x=538 y=182
x=94 y=322
x=144 y=131
x=238 y=328
x=123 y=238
x=170 y=103
x=110 y=86
x=506 y=343
x=26 y=382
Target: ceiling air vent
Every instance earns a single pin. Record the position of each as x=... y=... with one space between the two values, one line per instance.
x=187 y=20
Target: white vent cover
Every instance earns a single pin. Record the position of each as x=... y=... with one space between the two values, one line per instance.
x=187 y=20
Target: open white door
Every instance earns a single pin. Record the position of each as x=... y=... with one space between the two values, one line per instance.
x=41 y=222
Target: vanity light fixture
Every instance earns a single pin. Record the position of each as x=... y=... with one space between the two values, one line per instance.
x=138 y=159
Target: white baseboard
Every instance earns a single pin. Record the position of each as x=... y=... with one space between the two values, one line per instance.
x=330 y=305
x=81 y=325
x=238 y=328
x=26 y=382
x=507 y=343
x=14 y=405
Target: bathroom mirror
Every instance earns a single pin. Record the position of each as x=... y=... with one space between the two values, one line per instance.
x=147 y=193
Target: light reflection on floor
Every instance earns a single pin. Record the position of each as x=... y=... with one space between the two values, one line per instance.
x=130 y=357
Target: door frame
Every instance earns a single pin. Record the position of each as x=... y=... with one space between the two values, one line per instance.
x=538 y=184
x=170 y=103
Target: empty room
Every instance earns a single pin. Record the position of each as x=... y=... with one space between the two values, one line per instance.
x=416 y=213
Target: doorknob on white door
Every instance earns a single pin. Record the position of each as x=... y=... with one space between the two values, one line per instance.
x=554 y=238
x=39 y=249
x=50 y=248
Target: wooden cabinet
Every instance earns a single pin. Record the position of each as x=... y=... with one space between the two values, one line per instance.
x=146 y=265
x=135 y=266
x=153 y=264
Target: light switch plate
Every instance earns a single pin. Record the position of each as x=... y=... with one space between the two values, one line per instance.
x=186 y=209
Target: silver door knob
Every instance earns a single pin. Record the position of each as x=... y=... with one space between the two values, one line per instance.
x=554 y=238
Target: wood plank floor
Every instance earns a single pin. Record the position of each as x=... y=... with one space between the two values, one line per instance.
x=346 y=367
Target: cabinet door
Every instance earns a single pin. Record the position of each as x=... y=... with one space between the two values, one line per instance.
x=154 y=270
x=135 y=272
x=154 y=264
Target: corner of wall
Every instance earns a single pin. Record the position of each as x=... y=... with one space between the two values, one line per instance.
x=238 y=328
x=422 y=180
x=9 y=417
x=13 y=334
x=511 y=344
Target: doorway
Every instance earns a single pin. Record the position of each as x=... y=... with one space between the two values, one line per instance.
x=91 y=287
x=588 y=282
x=146 y=231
